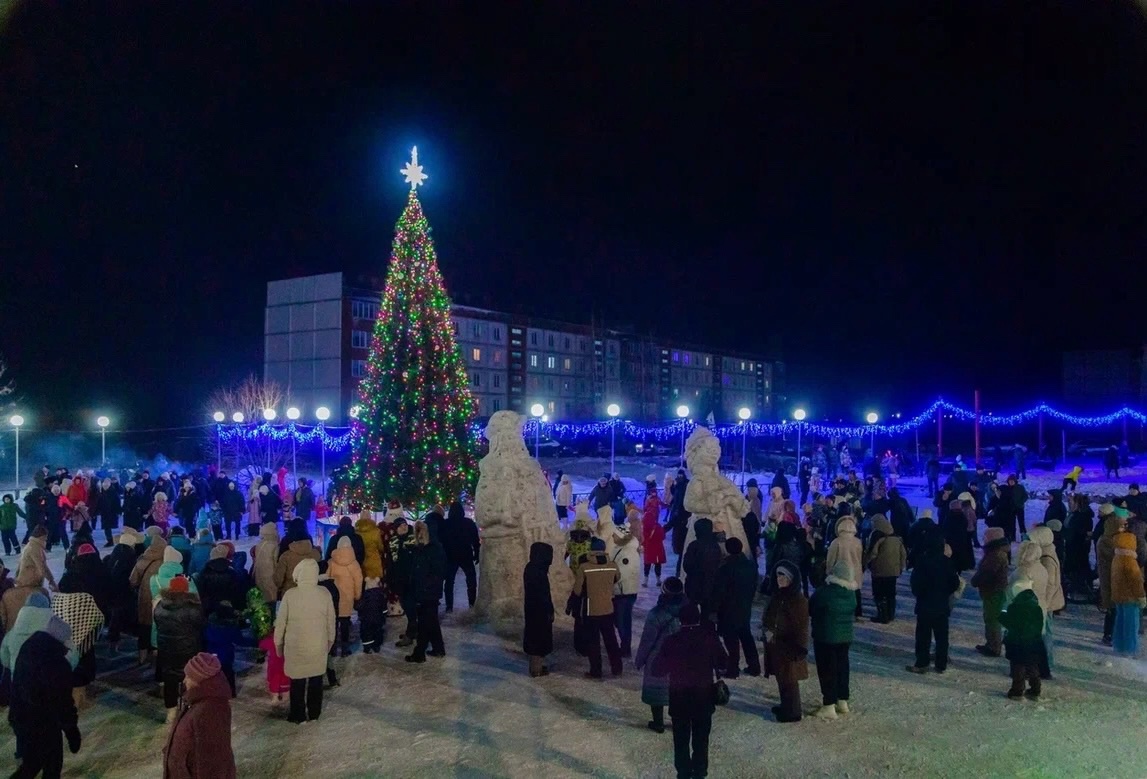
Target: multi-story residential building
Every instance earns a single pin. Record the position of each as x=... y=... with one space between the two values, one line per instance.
x=318 y=331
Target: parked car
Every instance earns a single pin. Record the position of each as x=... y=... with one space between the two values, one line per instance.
x=1088 y=447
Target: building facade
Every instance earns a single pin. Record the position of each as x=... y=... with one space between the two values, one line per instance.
x=318 y=329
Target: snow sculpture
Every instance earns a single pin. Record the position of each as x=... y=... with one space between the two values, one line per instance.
x=514 y=508
x=709 y=494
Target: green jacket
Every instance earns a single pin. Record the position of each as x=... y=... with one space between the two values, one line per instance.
x=1023 y=620
x=8 y=514
x=831 y=608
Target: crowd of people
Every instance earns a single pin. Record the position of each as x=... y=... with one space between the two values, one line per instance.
x=176 y=581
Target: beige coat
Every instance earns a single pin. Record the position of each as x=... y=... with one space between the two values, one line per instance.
x=846 y=547
x=35 y=558
x=298 y=551
x=266 y=558
x=305 y=624
x=27 y=582
x=347 y=576
x=146 y=567
x=1053 y=598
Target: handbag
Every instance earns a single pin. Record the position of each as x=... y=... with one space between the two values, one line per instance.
x=720 y=692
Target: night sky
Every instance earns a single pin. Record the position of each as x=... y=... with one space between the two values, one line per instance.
x=910 y=201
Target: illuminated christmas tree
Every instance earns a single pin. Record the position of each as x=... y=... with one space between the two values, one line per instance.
x=413 y=441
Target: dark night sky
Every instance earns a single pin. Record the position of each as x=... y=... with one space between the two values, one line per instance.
x=919 y=199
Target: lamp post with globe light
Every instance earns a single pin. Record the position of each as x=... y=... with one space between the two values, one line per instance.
x=293 y=414
x=322 y=413
x=682 y=414
x=799 y=415
x=269 y=415
x=103 y=422
x=16 y=421
x=537 y=411
x=871 y=418
x=744 y=413
x=613 y=410
x=218 y=416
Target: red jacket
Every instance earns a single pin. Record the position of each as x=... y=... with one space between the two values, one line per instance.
x=199 y=746
x=652 y=534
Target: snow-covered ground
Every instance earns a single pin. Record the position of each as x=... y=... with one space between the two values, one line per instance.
x=477 y=714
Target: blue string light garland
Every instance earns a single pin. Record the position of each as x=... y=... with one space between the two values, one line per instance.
x=566 y=430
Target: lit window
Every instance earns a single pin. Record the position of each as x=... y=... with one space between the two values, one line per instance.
x=359 y=339
x=567 y=363
x=551 y=362
x=677 y=357
x=358 y=368
x=750 y=367
x=476 y=354
x=742 y=365
x=533 y=361
x=362 y=309
x=706 y=362
x=551 y=406
x=687 y=356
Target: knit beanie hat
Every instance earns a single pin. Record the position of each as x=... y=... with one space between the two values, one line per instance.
x=172 y=555
x=344 y=543
x=219 y=552
x=993 y=534
x=179 y=584
x=85 y=549
x=672 y=586
x=597 y=544
x=790 y=570
x=230 y=547
x=201 y=667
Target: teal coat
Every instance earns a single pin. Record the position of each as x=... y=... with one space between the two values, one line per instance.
x=832 y=608
x=660 y=623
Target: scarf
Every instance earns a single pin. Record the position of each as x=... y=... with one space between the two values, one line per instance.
x=80 y=612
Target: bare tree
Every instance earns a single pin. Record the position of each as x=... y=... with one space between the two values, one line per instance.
x=7 y=387
x=242 y=456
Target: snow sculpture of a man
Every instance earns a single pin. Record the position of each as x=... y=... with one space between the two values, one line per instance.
x=514 y=508
x=709 y=494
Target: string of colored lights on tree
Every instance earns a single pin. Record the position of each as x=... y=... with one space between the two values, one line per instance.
x=411 y=439
x=670 y=431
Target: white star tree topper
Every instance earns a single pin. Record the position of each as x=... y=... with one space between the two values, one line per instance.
x=413 y=171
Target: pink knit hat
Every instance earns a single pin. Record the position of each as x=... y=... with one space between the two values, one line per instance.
x=86 y=549
x=201 y=667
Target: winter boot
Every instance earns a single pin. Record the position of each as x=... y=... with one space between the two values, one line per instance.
x=826 y=712
x=842 y=707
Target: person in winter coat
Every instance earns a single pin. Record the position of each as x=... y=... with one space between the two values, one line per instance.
x=846 y=548
x=304 y=634
x=266 y=554
x=199 y=745
x=427 y=571
x=1024 y=622
x=700 y=564
x=79 y=610
x=789 y=544
x=200 y=551
x=689 y=658
x=934 y=580
x=371 y=609
x=538 y=608
x=232 y=505
x=563 y=498
x=218 y=582
x=34 y=558
x=1077 y=535
x=831 y=610
x=786 y=647
x=347 y=575
x=1104 y=556
x=652 y=538
x=146 y=567
x=36 y=615
x=886 y=559
x=224 y=632
x=179 y=624
x=1127 y=594
x=134 y=507
x=270 y=504
x=27 y=583
x=346 y=529
x=1072 y=479
x=121 y=601
x=591 y=600
x=661 y=622
x=41 y=706
x=1053 y=599
x=9 y=511
x=991 y=579
x=296 y=552
x=733 y=590
x=160 y=513
x=626 y=555
x=373 y=548
x=957 y=537
x=577 y=547
x=460 y=540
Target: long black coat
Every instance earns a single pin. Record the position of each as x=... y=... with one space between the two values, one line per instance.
x=179 y=624
x=108 y=507
x=460 y=537
x=217 y=582
x=41 y=706
x=689 y=657
x=538 y=634
x=427 y=573
x=734 y=590
x=134 y=507
x=933 y=582
x=701 y=561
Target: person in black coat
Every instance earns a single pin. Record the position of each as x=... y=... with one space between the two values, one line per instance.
x=217 y=581
x=733 y=592
x=900 y=513
x=135 y=506
x=233 y=506
x=305 y=501
x=346 y=528
x=934 y=580
x=689 y=657
x=752 y=525
x=921 y=536
x=179 y=624
x=701 y=561
x=108 y=508
x=87 y=573
x=41 y=706
x=371 y=609
x=122 y=606
x=460 y=540
x=538 y=633
x=296 y=531
x=780 y=480
x=427 y=572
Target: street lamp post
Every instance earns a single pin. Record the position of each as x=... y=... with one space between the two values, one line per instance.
x=613 y=410
x=103 y=422
x=323 y=414
x=744 y=414
x=293 y=414
x=218 y=416
x=871 y=419
x=16 y=421
x=537 y=411
x=269 y=414
x=799 y=415
x=682 y=413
